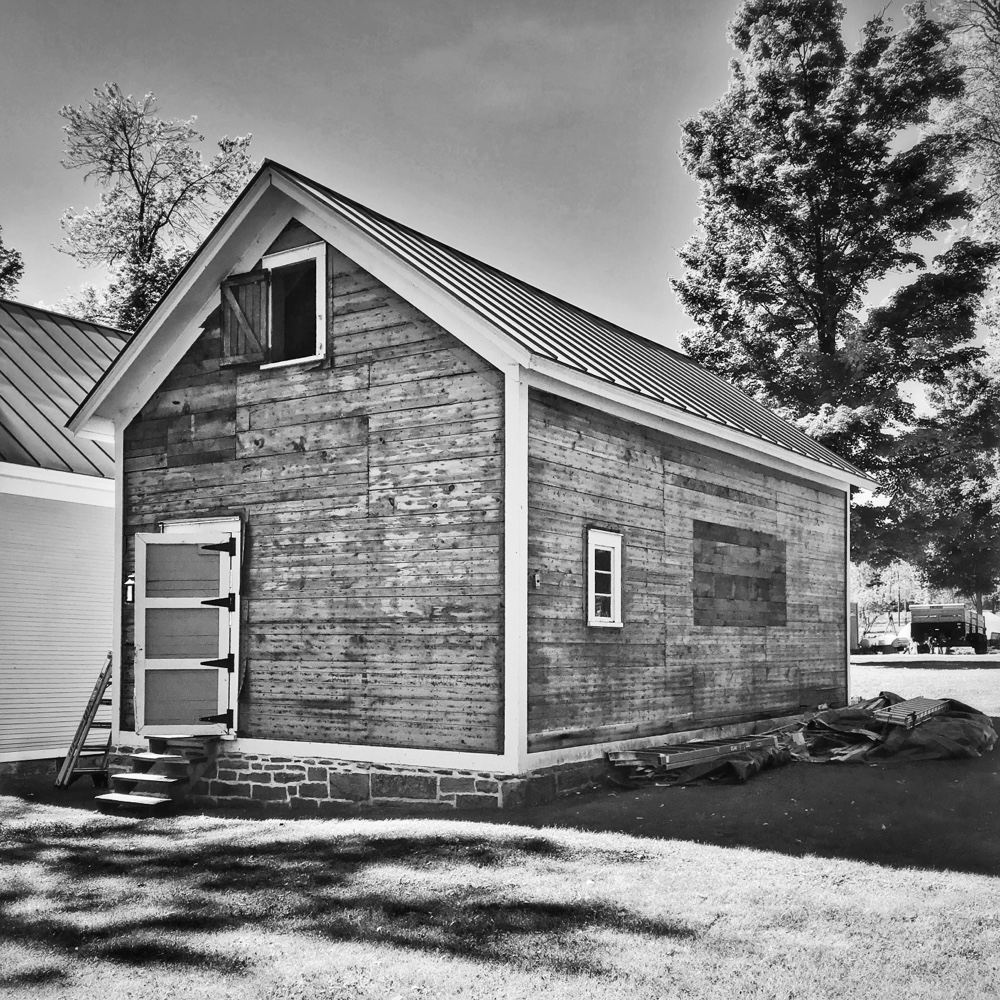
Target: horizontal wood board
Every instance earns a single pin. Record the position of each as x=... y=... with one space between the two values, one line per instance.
x=371 y=488
x=733 y=593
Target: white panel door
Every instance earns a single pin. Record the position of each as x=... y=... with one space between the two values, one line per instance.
x=186 y=632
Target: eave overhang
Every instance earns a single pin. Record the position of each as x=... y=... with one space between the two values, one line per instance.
x=276 y=194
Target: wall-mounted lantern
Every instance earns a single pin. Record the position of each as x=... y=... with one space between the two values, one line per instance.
x=128 y=590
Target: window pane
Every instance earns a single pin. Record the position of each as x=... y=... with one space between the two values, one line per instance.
x=293 y=304
x=180 y=697
x=182 y=633
x=181 y=571
x=602 y=583
x=602 y=606
x=602 y=560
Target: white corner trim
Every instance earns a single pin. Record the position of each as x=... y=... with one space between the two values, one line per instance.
x=50 y=484
x=118 y=586
x=560 y=380
x=515 y=635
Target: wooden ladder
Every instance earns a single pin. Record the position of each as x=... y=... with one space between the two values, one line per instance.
x=161 y=776
x=98 y=754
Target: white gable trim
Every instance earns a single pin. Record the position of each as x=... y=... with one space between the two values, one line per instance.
x=435 y=303
x=261 y=214
x=560 y=380
x=154 y=349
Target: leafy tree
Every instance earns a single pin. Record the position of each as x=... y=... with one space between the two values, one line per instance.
x=950 y=498
x=11 y=269
x=159 y=195
x=976 y=48
x=820 y=177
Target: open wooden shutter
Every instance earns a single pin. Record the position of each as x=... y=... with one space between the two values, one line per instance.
x=245 y=317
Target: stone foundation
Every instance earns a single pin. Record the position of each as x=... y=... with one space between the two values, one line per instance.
x=313 y=784
x=316 y=784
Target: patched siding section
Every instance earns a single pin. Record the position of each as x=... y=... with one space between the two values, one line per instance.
x=371 y=490
x=734 y=584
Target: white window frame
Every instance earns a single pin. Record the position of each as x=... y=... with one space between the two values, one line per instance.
x=612 y=541
x=297 y=255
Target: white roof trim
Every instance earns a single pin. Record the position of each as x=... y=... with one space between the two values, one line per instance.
x=151 y=332
x=560 y=380
x=467 y=325
x=264 y=215
x=51 y=484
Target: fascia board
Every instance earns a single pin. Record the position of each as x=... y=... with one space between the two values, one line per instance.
x=54 y=484
x=180 y=305
x=426 y=295
x=559 y=380
x=174 y=349
x=98 y=429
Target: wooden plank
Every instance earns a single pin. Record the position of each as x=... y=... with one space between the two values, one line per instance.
x=272 y=384
x=336 y=433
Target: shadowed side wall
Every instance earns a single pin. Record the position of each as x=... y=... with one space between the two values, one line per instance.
x=371 y=486
x=733 y=592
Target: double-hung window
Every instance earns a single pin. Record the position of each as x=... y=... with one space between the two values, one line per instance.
x=604 y=578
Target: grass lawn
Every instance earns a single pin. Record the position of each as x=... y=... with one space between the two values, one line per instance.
x=978 y=686
x=202 y=906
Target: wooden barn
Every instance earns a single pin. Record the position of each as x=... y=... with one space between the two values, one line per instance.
x=56 y=530
x=404 y=526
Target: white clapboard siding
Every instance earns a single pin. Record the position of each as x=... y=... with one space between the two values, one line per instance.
x=56 y=562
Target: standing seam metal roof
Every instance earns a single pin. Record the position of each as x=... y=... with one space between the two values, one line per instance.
x=48 y=364
x=563 y=333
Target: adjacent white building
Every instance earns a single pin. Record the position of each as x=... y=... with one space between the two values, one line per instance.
x=56 y=529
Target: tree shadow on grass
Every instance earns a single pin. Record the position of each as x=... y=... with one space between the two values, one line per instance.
x=43 y=976
x=136 y=895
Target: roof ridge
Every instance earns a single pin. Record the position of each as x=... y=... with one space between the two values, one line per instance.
x=302 y=178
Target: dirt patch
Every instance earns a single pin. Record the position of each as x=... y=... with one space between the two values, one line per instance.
x=929 y=814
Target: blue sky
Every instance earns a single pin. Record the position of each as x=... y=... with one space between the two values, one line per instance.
x=538 y=135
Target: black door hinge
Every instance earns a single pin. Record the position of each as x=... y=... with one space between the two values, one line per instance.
x=228 y=661
x=228 y=546
x=226 y=717
x=229 y=602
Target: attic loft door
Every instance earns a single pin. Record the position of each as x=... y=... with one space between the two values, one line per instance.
x=186 y=632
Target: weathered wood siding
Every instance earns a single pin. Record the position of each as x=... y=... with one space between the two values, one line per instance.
x=733 y=595
x=371 y=491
